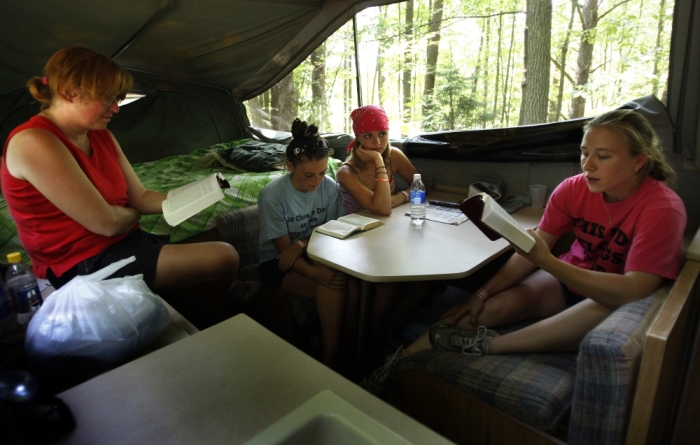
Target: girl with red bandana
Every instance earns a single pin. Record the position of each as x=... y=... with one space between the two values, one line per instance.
x=367 y=177
x=366 y=182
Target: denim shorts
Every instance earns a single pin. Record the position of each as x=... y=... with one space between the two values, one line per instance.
x=569 y=297
x=271 y=275
x=144 y=246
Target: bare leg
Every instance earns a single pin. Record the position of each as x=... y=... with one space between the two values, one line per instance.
x=539 y=295
x=212 y=266
x=194 y=276
x=561 y=332
x=331 y=309
x=330 y=304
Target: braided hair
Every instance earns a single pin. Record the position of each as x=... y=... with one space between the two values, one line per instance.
x=306 y=144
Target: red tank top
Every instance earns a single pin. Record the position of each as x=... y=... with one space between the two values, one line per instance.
x=52 y=238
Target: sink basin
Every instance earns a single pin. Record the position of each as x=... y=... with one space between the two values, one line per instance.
x=327 y=419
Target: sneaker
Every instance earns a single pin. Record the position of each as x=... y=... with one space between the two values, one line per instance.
x=446 y=337
x=249 y=273
x=375 y=382
x=244 y=291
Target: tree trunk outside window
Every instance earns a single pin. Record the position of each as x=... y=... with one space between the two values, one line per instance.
x=318 y=86
x=432 y=53
x=589 y=15
x=284 y=101
x=407 y=62
x=538 y=36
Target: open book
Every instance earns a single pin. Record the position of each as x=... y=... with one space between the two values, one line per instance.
x=191 y=198
x=442 y=214
x=347 y=225
x=495 y=222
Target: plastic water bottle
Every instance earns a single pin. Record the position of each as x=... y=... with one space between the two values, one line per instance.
x=5 y=308
x=417 y=201
x=22 y=285
x=8 y=319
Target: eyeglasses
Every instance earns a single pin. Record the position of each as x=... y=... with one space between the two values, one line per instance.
x=111 y=100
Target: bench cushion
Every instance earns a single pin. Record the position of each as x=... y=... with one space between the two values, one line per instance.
x=241 y=228
x=607 y=370
x=534 y=388
x=595 y=386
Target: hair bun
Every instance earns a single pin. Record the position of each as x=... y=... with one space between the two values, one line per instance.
x=301 y=131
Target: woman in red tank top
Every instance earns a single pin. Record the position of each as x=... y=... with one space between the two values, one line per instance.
x=75 y=198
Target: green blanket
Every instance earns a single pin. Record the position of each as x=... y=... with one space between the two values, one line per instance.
x=166 y=174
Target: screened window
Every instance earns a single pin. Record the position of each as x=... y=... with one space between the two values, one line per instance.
x=438 y=65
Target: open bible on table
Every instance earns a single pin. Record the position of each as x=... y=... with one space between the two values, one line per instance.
x=495 y=222
x=184 y=202
x=347 y=225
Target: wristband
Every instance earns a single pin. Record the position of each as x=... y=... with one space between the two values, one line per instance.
x=379 y=168
x=302 y=244
x=481 y=293
x=381 y=179
x=405 y=193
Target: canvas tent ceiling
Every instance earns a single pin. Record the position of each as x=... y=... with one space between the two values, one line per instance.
x=243 y=46
x=223 y=52
x=200 y=58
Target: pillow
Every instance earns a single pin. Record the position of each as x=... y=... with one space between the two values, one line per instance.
x=271 y=136
x=336 y=141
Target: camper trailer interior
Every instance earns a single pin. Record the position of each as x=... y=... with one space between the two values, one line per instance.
x=217 y=85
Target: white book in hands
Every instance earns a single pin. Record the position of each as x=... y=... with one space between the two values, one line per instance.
x=184 y=202
x=347 y=225
x=495 y=222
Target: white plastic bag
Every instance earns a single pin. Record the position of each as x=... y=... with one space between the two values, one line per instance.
x=94 y=322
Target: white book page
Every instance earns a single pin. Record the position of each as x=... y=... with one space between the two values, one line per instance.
x=337 y=228
x=356 y=220
x=442 y=214
x=191 y=198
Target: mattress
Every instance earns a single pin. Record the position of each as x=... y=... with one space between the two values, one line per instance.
x=171 y=172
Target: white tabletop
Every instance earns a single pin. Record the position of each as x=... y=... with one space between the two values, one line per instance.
x=399 y=251
x=222 y=385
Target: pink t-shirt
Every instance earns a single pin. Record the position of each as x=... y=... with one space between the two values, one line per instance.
x=646 y=233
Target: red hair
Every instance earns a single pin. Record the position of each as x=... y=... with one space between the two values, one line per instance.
x=78 y=67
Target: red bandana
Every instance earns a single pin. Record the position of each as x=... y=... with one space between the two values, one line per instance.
x=367 y=119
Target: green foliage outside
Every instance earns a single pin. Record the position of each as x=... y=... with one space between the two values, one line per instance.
x=480 y=67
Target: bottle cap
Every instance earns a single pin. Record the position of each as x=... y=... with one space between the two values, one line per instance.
x=416 y=176
x=14 y=257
